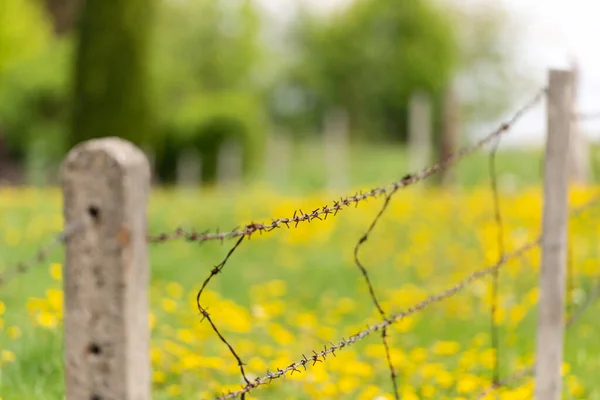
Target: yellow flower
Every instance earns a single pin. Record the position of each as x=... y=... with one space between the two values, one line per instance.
x=256 y=364
x=47 y=319
x=574 y=386
x=348 y=384
x=8 y=356
x=281 y=336
x=428 y=391
x=517 y=313
x=276 y=288
x=418 y=354
x=174 y=390
x=467 y=384
x=444 y=379
x=151 y=320
x=306 y=320
x=159 y=377
x=369 y=392
x=2 y=307
x=174 y=289
x=446 y=348
x=56 y=271
x=169 y=305
x=186 y=336
x=14 y=332
x=488 y=358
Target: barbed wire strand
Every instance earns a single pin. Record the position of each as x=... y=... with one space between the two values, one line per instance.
x=41 y=254
x=302 y=217
x=323 y=212
x=501 y=250
x=363 y=270
x=572 y=319
x=204 y=311
x=321 y=356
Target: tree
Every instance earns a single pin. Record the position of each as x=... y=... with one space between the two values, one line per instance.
x=372 y=55
x=369 y=58
x=111 y=71
x=205 y=71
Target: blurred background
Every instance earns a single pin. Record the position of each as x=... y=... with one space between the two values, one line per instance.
x=295 y=94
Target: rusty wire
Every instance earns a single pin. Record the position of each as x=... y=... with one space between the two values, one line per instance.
x=321 y=355
x=322 y=213
x=300 y=216
x=365 y=274
x=41 y=254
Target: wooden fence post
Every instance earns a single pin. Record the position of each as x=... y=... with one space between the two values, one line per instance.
x=419 y=131
x=550 y=329
x=107 y=339
x=336 y=138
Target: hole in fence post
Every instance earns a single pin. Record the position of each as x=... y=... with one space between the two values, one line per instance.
x=95 y=397
x=94 y=212
x=94 y=349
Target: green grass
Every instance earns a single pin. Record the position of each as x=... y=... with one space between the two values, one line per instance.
x=426 y=242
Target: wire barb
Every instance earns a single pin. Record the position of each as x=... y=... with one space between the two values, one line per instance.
x=365 y=274
x=41 y=254
x=206 y=316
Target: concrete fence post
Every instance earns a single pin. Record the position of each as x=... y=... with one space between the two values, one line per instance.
x=107 y=337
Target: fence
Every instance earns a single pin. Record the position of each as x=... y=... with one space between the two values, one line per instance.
x=106 y=184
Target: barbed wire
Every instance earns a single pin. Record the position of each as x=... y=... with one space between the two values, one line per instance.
x=300 y=216
x=365 y=274
x=572 y=319
x=321 y=356
x=322 y=213
x=41 y=254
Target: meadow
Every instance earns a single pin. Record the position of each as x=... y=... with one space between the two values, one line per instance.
x=289 y=292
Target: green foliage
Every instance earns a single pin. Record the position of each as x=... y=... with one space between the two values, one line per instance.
x=23 y=32
x=205 y=55
x=370 y=57
x=34 y=84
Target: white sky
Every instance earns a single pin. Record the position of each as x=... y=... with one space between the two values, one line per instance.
x=556 y=31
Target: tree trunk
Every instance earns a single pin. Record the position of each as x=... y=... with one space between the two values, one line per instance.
x=111 y=71
x=63 y=14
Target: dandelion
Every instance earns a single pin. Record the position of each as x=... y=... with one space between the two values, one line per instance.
x=467 y=384
x=8 y=356
x=13 y=332
x=517 y=313
x=56 y=271
x=447 y=348
x=174 y=390
x=280 y=335
x=2 y=307
x=488 y=358
x=174 y=290
x=168 y=305
x=159 y=377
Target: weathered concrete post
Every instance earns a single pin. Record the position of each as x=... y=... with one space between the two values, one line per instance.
x=107 y=338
